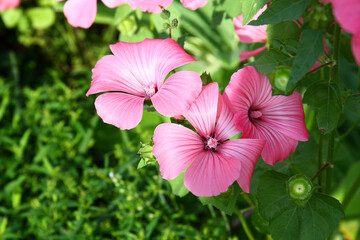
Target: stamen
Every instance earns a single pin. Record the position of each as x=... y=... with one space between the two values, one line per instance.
x=211 y=144
x=149 y=91
x=255 y=114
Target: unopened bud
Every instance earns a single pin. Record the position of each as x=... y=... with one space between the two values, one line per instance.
x=174 y=23
x=166 y=25
x=165 y=14
x=300 y=189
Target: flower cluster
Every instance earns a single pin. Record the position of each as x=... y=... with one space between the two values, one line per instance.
x=271 y=126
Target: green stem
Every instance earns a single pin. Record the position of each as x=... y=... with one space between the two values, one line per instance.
x=352 y=192
x=320 y=161
x=350 y=129
x=330 y=160
x=334 y=77
x=334 y=73
x=245 y=226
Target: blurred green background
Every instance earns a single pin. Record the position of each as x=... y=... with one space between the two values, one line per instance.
x=64 y=174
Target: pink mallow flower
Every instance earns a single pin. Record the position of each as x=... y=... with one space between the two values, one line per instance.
x=6 y=4
x=135 y=73
x=347 y=14
x=212 y=162
x=250 y=34
x=82 y=13
x=277 y=119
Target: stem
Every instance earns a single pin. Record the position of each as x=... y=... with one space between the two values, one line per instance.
x=330 y=160
x=351 y=193
x=350 y=129
x=320 y=162
x=321 y=66
x=359 y=81
x=334 y=73
x=245 y=226
x=355 y=94
x=334 y=77
x=321 y=170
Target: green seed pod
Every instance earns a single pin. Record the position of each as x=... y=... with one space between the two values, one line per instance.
x=174 y=23
x=165 y=14
x=299 y=189
x=166 y=25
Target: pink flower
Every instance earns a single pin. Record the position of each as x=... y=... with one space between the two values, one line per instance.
x=194 y=4
x=348 y=16
x=250 y=34
x=82 y=13
x=135 y=73
x=212 y=163
x=277 y=119
x=6 y=4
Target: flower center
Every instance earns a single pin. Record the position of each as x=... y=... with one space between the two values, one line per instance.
x=254 y=114
x=149 y=91
x=211 y=144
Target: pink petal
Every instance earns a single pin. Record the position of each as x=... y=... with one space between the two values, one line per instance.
x=177 y=94
x=6 y=4
x=249 y=33
x=278 y=147
x=120 y=109
x=109 y=74
x=80 y=13
x=175 y=147
x=150 y=5
x=211 y=174
x=114 y=3
x=248 y=152
x=348 y=14
x=245 y=55
x=355 y=43
x=150 y=61
x=202 y=113
x=194 y=4
x=286 y=115
x=225 y=127
x=248 y=88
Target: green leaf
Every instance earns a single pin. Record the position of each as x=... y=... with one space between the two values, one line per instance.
x=41 y=17
x=353 y=104
x=281 y=11
x=206 y=78
x=267 y=61
x=327 y=99
x=232 y=7
x=315 y=221
x=11 y=17
x=225 y=201
x=282 y=31
x=310 y=48
x=177 y=185
x=250 y=8
x=146 y=155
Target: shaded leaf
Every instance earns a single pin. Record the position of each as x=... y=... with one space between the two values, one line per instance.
x=250 y=8
x=267 y=61
x=310 y=48
x=225 y=201
x=282 y=31
x=315 y=221
x=281 y=11
x=327 y=99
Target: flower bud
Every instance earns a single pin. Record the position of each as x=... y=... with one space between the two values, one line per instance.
x=166 y=25
x=165 y=14
x=299 y=189
x=174 y=23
